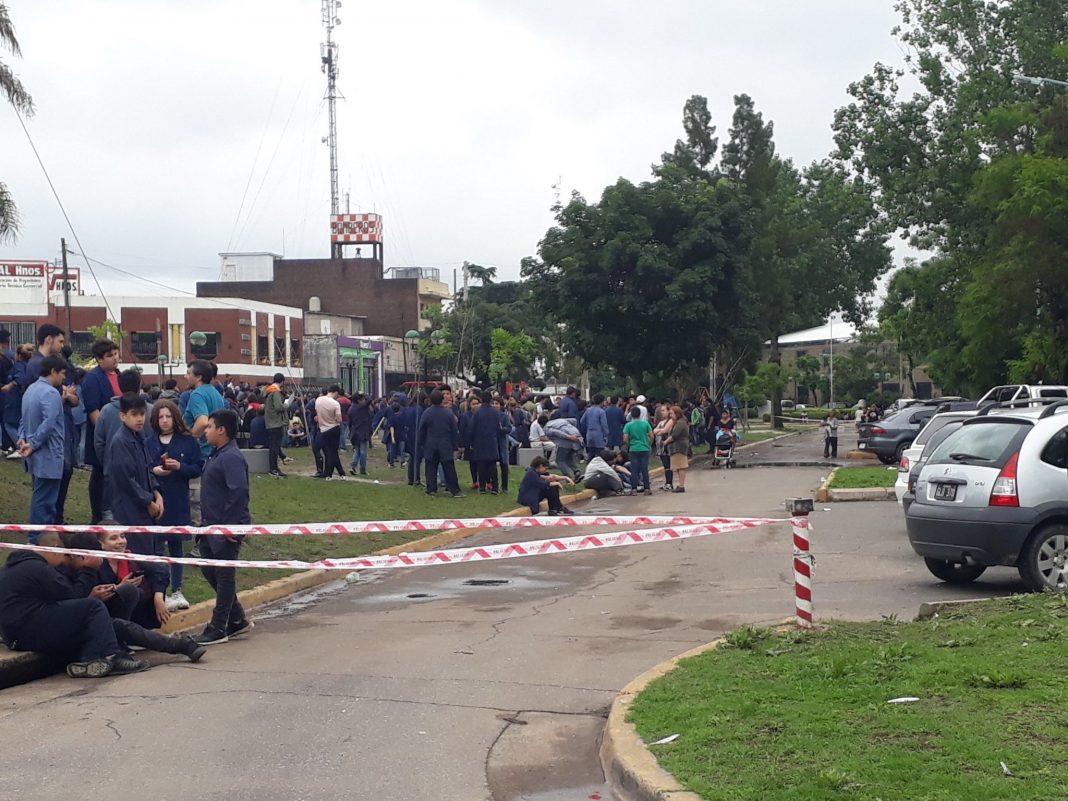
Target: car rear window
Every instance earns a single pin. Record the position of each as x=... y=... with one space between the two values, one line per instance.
x=981 y=442
x=934 y=425
x=1053 y=393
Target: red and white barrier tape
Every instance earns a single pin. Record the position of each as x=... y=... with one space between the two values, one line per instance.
x=382 y=526
x=481 y=553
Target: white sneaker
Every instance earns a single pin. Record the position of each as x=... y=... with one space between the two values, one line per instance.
x=177 y=602
x=14 y=455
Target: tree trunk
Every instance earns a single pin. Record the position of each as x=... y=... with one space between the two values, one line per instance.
x=775 y=390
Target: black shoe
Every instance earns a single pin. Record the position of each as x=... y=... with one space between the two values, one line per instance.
x=679 y=489
x=352 y=471
x=318 y=475
x=191 y=648
x=211 y=636
x=363 y=472
x=93 y=669
x=457 y=495
x=126 y=664
x=278 y=474
x=431 y=494
x=240 y=629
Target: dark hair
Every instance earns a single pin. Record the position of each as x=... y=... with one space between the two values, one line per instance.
x=131 y=402
x=445 y=388
x=538 y=461
x=214 y=370
x=48 y=330
x=83 y=541
x=102 y=347
x=226 y=420
x=129 y=381
x=170 y=383
x=333 y=388
x=436 y=397
x=51 y=539
x=179 y=422
x=50 y=364
x=543 y=419
x=67 y=352
x=636 y=411
x=598 y=399
x=5 y=335
x=202 y=370
x=614 y=400
x=570 y=391
x=279 y=378
x=485 y=396
x=607 y=455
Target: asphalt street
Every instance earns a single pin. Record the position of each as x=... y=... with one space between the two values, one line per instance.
x=461 y=682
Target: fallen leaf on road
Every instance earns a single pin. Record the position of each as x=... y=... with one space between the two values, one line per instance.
x=665 y=740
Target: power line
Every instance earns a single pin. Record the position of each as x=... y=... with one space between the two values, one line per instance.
x=70 y=225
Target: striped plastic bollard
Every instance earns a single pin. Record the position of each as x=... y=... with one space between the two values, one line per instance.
x=799 y=509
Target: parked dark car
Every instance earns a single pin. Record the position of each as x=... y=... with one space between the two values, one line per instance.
x=889 y=438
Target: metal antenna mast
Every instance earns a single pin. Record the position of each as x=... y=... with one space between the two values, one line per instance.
x=328 y=52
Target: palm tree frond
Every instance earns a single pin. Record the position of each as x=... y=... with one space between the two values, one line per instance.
x=9 y=216
x=7 y=32
x=16 y=93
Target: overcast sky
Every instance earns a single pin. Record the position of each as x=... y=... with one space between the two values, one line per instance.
x=459 y=117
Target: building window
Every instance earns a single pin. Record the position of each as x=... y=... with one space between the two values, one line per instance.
x=262 y=356
x=294 y=349
x=209 y=350
x=279 y=350
x=145 y=345
x=923 y=390
x=81 y=342
x=22 y=334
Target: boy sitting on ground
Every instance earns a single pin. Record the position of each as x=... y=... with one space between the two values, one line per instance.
x=539 y=485
x=605 y=475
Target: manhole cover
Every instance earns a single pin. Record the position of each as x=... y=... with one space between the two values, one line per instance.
x=485 y=582
x=419 y=595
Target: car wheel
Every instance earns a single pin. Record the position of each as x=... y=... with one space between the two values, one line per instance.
x=954 y=572
x=888 y=459
x=904 y=446
x=1044 y=559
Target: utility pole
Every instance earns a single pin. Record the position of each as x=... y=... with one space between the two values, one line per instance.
x=66 y=287
x=328 y=55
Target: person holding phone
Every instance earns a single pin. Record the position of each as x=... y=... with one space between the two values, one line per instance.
x=176 y=459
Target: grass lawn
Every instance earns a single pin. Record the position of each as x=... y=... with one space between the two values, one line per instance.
x=297 y=498
x=805 y=716
x=863 y=477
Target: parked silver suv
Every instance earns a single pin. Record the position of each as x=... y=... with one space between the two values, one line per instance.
x=995 y=492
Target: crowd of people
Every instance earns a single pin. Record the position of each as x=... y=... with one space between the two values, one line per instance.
x=171 y=457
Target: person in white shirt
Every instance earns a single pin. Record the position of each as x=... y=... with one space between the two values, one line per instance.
x=539 y=439
x=328 y=413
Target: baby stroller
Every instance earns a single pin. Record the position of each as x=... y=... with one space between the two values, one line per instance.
x=723 y=451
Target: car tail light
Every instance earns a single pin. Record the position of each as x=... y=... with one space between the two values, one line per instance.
x=903 y=465
x=1004 y=492
x=876 y=431
x=912 y=484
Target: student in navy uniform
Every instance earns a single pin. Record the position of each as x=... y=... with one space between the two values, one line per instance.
x=99 y=386
x=484 y=445
x=224 y=499
x=41 y=439
x=539 y=485
x=438 y=440
x=466 y=425
x=132 y=489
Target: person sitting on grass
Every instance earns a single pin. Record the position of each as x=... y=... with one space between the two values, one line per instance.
x=121 y=584
x=539 y=485
x=40 y=610
x=607 y=473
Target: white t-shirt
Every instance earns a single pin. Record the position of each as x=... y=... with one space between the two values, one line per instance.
x=643 y=410
x=328 y=412
x=537 y=433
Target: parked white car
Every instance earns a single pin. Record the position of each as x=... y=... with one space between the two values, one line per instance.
x=1009 y=393
x=914 y=453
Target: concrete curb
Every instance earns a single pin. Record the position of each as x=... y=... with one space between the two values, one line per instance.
x=630 y=768
x=862 y=494
x=934 y=608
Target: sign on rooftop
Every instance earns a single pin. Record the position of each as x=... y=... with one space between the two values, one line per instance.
x=355 y=228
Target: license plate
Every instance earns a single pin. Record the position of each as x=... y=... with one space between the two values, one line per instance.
x=945 y=492
x=863 y=445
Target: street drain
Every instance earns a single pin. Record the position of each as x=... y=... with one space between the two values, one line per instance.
x=419 y=595
x=485 y=582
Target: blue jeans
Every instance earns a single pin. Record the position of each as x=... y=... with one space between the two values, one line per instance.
x=359 y=455
x=43 y=502
x=639 y=468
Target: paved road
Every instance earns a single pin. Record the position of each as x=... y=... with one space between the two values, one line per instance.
x=422 y=685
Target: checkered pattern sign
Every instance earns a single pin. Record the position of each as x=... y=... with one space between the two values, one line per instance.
x=355 y=228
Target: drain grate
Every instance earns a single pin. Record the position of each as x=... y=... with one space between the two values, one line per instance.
x=485 y=582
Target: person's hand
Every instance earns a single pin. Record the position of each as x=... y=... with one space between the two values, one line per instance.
x=162 y=615
x=25 y=451
x=155 y=510
x=102 y=591
x=133 y=580
x=172 y=464
x=159 y=470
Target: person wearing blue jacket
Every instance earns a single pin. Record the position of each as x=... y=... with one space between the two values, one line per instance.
x=41 y=439
x=177 y=459
x=12 y=390
x=412 y=416
x=99 y=386
x=438 y=440
x=485 y=448
x=596 y=433
x=569 y=405
x=466 y=423
x=132 y=489
x=616 y=419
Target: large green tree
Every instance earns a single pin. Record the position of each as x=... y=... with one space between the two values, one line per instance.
x=17 y=96
x=971 y=167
